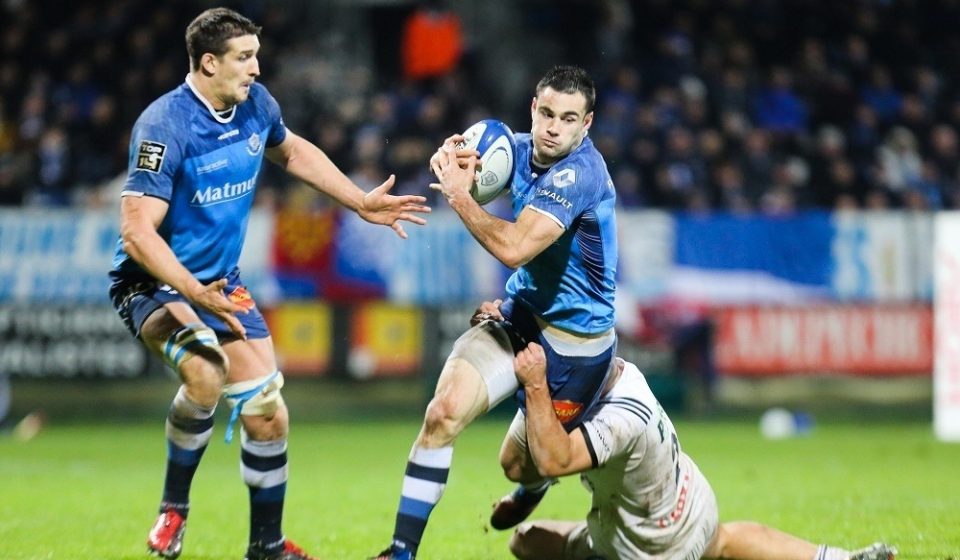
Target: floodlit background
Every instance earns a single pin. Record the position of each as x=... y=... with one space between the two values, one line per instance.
x=788 y=175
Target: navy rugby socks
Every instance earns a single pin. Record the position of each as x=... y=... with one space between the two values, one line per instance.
x=423 y=485
x=264 y=468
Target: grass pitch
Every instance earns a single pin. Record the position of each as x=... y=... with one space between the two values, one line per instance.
x=90 y=491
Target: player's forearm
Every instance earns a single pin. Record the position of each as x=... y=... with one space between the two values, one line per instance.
x=549 y=442
x=309 y=164
x=499 y=237
x=152 y=253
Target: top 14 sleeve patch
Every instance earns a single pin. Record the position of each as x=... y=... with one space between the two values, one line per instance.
x=150 y=155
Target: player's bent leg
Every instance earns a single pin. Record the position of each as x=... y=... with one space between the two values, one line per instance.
x=551 y=540
x=460 y=397
x=477 y=375
x=515 y=458
x=518 y=466
x=194 y=352
x=190 y=348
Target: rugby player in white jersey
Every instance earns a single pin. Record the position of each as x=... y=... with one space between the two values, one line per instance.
x=195 y=155
x=650 y=501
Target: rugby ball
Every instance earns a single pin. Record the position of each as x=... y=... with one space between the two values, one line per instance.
x=494 y=140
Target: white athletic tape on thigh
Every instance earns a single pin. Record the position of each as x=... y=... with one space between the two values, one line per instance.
x=187 y=341
x=487 y=348
x=260 y=397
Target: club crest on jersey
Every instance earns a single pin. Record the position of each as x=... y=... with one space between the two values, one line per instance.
x=254 y=145
x=567 y=410
x=150 y=156
x=564 y=178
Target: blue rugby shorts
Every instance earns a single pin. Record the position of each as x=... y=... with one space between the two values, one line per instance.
x=575 y=381
x=135 y=300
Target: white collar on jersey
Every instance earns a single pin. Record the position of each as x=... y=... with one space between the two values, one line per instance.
x=222 y=117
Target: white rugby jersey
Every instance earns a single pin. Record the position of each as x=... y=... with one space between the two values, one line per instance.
x=649 y=498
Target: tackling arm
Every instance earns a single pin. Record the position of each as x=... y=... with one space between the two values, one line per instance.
x=554 y=451
x=307 y=162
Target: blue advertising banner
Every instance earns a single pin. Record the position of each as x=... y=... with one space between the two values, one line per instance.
x=62 y=256
x=882 y=256
x=442 y=264
x=726 y=258
x=56 y=256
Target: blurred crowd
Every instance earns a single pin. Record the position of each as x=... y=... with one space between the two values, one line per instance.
x=733 y=105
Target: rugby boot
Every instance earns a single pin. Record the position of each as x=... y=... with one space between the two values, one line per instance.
x=289 y=551
x=166 y=537
x=876 y=551
x=394 y=553
x=510 y=510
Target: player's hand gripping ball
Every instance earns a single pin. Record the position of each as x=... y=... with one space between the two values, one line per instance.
x=494 y=140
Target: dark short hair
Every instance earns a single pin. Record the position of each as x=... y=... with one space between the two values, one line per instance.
x=210 y=31
x=569 y=79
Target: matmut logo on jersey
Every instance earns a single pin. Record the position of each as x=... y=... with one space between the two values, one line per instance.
x=229 y=191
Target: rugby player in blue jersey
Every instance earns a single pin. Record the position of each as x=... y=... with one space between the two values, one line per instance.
x=195 y=154
x=563 y=244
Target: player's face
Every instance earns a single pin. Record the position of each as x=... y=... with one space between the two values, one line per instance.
x=236 y=70
x=560 y=122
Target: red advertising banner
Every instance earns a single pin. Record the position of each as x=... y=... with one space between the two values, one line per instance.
x=856 y=339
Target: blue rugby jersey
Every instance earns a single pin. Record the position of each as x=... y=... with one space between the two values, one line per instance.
x=571 y=283
x=205 y=165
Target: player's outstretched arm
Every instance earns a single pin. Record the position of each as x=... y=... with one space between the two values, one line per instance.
x=380 y=207
x=554 y=451
x=139 y=218
x=307 y=162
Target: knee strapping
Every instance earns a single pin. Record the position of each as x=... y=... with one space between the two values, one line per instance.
x=256 y=397
x=191 y=340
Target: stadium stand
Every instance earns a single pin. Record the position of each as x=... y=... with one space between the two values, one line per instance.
x=731 y=105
